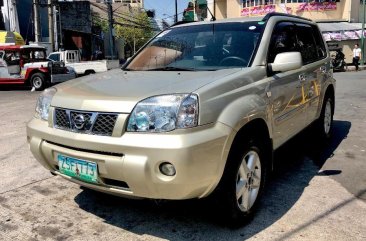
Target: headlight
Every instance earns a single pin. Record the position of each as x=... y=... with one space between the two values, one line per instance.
x=43 y=103
x=164 y=113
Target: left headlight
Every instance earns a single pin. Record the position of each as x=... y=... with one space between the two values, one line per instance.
x=164 y=113
x=43 y=103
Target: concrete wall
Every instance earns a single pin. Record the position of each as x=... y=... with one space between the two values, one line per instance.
x=76 y=16
x=347 y=10
x=221 y=9
x=233 y=8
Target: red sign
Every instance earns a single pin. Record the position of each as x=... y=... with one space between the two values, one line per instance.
x=315 y=6
x=258 y=10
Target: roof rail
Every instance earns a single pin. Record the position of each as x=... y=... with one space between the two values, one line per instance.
x=181 y=22
x=273 y=14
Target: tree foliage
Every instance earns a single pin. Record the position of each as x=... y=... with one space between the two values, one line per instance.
x=135 y=28
x=99 y=22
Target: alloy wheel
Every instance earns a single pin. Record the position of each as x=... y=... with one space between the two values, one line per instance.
x=248 y=181
x=37 y=82
x=327 y=117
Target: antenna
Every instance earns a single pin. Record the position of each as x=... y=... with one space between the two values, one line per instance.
x=213 y=18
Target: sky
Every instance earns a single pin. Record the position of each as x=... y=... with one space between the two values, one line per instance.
x=165 y=9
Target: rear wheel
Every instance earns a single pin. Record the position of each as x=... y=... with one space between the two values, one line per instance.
x=38 y=81
x=324 y=124
x=243 y=181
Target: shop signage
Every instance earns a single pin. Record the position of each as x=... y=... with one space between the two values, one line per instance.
x=315 y=6
x=343 y=35
x=258 y=10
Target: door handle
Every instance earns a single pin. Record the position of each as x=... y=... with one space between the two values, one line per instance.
x=323 y=69
x=302 y=78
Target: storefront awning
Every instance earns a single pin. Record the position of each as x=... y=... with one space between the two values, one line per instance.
x=341 y=31
x=11 y=38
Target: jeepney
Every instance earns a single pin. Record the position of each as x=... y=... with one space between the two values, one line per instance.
x=27 y=64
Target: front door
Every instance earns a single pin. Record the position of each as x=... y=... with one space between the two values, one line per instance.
x=286 y=88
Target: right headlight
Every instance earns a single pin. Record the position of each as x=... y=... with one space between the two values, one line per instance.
x=164 y=113
x=44 y=103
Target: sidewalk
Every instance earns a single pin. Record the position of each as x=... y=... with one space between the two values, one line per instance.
x=353 y=68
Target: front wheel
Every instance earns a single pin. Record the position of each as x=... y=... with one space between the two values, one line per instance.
x=38 y=81
x=243 y=181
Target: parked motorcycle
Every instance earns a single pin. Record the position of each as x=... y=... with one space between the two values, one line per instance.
x=338 y=62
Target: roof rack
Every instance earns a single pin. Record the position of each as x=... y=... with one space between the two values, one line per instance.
x=274 y=14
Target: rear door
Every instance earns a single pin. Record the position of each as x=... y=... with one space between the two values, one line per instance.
x=313 y=54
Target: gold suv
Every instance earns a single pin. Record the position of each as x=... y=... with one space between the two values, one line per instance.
x=198 y=110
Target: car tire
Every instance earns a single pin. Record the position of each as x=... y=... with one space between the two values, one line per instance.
x=324 y=124
x=38 y=81
x=243 y=181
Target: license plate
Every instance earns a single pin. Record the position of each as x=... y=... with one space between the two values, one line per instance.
x=80 y=169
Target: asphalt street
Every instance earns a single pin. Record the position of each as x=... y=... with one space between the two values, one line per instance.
x=317 y=192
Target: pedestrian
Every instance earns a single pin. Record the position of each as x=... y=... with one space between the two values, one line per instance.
x=356 y=56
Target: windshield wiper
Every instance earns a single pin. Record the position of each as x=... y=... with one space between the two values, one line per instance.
x=171 y=68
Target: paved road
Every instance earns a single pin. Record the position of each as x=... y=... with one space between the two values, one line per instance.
x=316 y=192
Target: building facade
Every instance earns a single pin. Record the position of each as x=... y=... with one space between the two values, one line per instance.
x=339 y=20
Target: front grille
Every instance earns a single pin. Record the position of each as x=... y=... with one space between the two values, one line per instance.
x=61 y=119
x=94 y=123
x=87 y=116
x=104 y=124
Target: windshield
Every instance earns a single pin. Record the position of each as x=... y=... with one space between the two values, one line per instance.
x=201 y=47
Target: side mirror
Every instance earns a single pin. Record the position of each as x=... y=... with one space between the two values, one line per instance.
x=286 y=61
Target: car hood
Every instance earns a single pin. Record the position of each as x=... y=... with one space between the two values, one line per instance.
x=119 y=91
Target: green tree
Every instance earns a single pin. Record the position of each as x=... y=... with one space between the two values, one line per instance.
x=99 y=22
x=135 y=28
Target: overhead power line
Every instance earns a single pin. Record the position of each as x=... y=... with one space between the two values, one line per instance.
x=120 y=15
x=130 y=25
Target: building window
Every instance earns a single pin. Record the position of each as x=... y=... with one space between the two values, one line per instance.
x=305 y=1
x=253 y=3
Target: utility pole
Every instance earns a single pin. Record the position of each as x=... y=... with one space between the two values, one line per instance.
x=110 y=19
x=363 y=34
x=60 y=47
x=50 y=25
x=37 y=28
x=176 y=12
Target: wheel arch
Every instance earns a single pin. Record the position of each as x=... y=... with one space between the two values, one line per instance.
x=259 y=130
x=35 y=71
x=89 y=71
x=256 y=127
x=330 y=91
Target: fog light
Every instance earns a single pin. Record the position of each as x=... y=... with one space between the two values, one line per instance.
x=167 y=169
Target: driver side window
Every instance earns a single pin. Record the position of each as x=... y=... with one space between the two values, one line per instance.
x=283 y=40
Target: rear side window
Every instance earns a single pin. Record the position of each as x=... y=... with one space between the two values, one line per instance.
x=283 y=39
x=307 y=45
x=320 y=47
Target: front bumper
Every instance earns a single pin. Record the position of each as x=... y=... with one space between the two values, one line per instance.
x=198 y=154
x=57 y=78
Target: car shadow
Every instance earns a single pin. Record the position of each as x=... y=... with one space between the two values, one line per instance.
x=14 y=87
x=296 y=163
